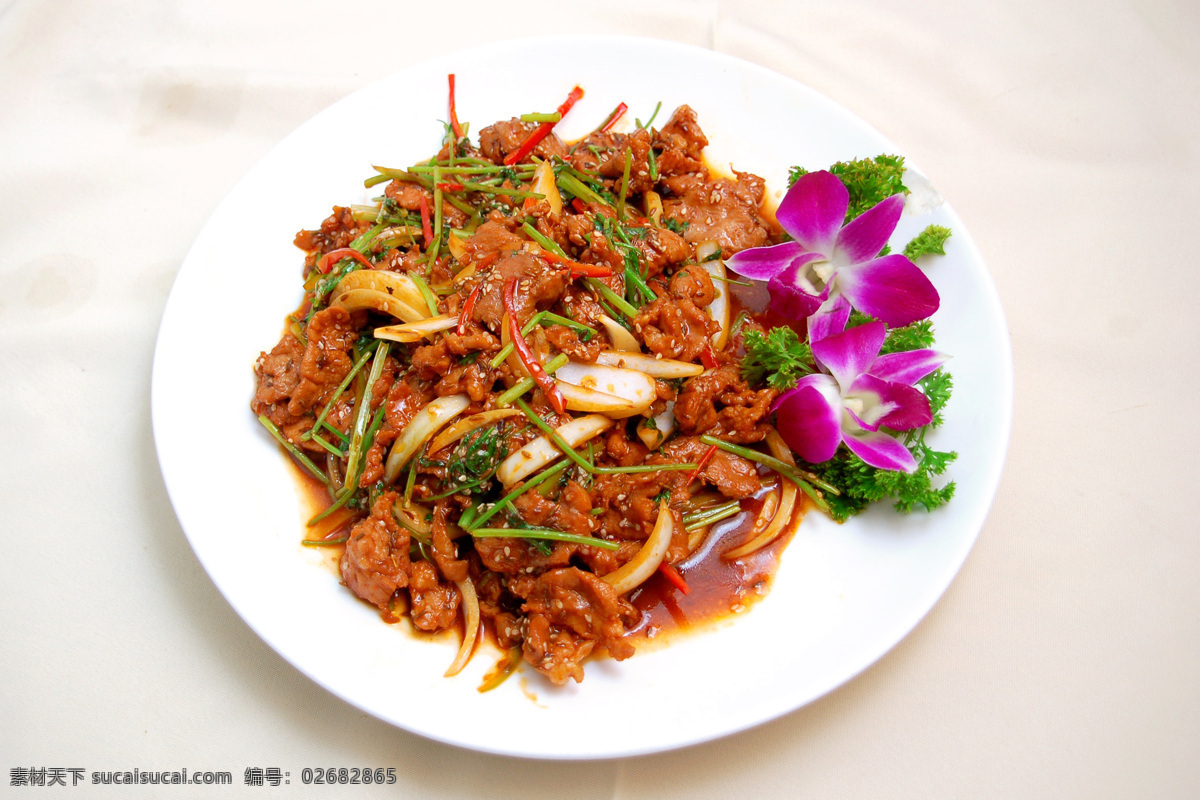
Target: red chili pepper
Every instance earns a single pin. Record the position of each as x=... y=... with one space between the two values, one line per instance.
x=578 y=205
x=426 y=227
x=465 y=316
x=673 y=576
x=333 y=256
x=544 y=381
x=707 y=357
x=587 y=270
x=454 y=126
x=542 y=130
x=450 y=186
x=486 y=260
x=617 y=113
x=701 y=464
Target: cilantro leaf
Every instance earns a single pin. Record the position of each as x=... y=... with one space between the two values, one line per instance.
x=929 y=242
x=777 y=358
x=868 y=180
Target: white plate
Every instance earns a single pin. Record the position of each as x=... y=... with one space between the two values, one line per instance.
x=844 y=595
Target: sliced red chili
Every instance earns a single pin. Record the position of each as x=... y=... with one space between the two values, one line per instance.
x=578 y=205
x=468 y=307
x=617 y=113
x=707 y=357
x=701 y=464
x=672 y=575
x=586 y=270
x=333 y=256
x=426 y=225
x=450 y=186
x=543 y=130
x=454 y=126
x=536 y=371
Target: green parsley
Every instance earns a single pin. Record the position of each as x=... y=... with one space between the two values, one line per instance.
x=777 y=358
x=868 y=180
x=929 y=242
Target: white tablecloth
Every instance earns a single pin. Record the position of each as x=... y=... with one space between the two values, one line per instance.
x=1064 y=661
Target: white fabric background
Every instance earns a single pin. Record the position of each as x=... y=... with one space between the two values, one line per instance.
x=1063 y=662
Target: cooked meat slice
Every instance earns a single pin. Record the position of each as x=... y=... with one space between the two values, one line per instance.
x=375 y=562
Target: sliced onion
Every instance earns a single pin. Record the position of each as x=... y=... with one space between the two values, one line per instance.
x=654 y=367
x=634 y=387
x=541 y=451
x=644 y=564
x=581 y=398
x=782 y=515
x=619 y=335
x=396 y=284
x=652 y=205
x=463 y=274
x=664 y=425
x=416 y=517
x=544 y=184
x=718 y=309
x=420 y=429
x=465 y=426
x=414 y=331
x=458 y=248
x=359 y=299
x=470 y=603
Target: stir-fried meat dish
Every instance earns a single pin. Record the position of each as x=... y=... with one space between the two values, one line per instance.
x=516 y=376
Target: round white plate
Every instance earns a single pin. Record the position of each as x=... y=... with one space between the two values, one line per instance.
x=844 y=595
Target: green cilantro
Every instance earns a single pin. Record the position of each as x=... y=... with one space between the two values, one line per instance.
x=929 y=242
x=868 y=180
x=777 y=358
x=675 y=225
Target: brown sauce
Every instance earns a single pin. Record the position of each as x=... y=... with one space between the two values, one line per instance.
x=717 y=587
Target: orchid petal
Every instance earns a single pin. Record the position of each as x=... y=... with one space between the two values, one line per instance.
x=891 y=288
x=829 y=319
x=865 y=235
x=813 y=211
x=788 y=298
x=848 y=354
x=762 y=263
x=895 y=405
x=881 y=451
x=809 y=424
x=908 y=366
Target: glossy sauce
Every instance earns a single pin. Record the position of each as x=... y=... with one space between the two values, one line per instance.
x=717 y=587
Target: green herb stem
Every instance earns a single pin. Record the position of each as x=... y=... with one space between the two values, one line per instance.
x=544 y=533
x=793 y=474
x=546 y=242
x=614 y=299
x=304 y=460
x=526 y=384
x=478 y=518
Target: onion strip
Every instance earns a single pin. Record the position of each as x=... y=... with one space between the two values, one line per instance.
x=465 y=426
x=646 y=562
x=654 y=367
x=781 y=516
x=420 y=429
x=358 y=299
x=411 y=332
x=541 y=451
x=622 y=340
x=470 y=602
x=397 y=285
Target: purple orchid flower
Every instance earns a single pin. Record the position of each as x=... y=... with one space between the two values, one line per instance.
x=829 y=268
x=860 y=393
